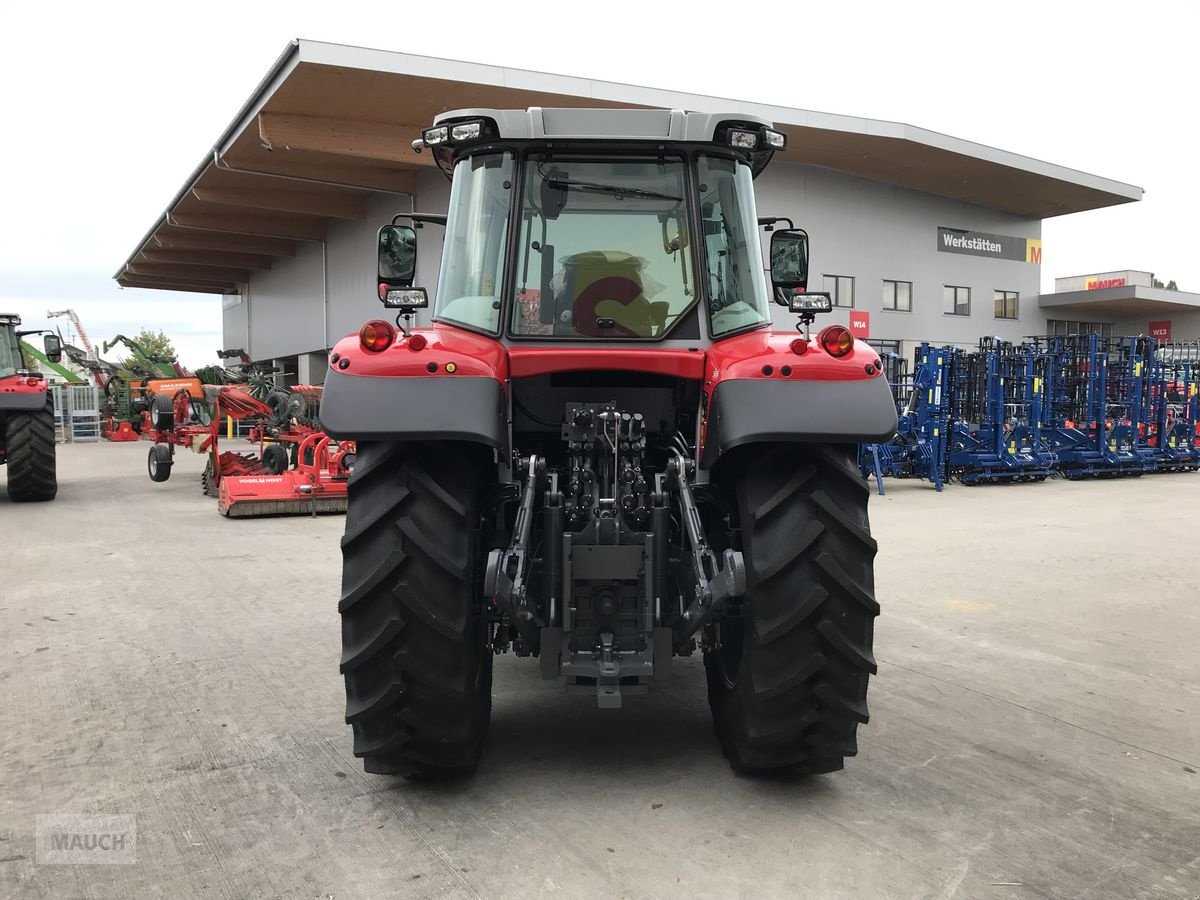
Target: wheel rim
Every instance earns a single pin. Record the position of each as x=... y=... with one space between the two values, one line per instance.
x=153 y=464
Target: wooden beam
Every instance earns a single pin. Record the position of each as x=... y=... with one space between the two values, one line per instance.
x=338 y=206
x=204 y=258
x=201 y=273
x=353 y=175
x=342 y=137
x=194 y=239
x=266 y=224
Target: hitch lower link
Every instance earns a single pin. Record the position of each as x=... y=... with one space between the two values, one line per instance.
x=505 y=577
x=713 y=585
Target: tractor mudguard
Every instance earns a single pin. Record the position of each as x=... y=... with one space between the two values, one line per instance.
x=22 y=401
x=754 y=410
x=449 y=408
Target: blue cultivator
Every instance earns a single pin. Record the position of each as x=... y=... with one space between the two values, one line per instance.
x=1174 y=406
x=996 y=412
x=919 y=448
x=1096 y=407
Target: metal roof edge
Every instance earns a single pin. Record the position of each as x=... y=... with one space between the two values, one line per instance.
x=1129 y=292
x=258 y=97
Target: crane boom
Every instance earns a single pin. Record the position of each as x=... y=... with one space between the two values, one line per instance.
x=74 y=317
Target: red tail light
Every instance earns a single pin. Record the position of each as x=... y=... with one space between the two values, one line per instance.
x=376 y=335
x=799 y=346
x=417 y=342
x=836 y=340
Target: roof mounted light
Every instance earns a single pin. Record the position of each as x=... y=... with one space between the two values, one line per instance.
x=743 y=140
x=776 y=140
x=435 y=136
x=10 y=320
x=464 y=132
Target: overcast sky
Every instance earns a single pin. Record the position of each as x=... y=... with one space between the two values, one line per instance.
x=108 y=107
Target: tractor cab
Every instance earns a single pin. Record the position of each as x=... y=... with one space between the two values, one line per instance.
x=12 y=361
x=599 y=225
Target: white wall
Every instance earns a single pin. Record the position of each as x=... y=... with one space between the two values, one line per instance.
x=872 y=231
x=861 y=228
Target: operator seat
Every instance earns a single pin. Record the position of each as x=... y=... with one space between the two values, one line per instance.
x=607 y=284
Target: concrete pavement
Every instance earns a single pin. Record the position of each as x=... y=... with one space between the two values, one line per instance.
x=1035 y=724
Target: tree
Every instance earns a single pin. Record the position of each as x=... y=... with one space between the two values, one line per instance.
x=156 y=343
x=1154 y=282
x=1172 y=286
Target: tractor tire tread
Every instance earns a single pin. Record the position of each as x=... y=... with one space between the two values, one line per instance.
x=799 y=694
x=32 y=475
x=415 y=657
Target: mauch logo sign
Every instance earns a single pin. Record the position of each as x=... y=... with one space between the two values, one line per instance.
x=70 y=839
x=1099 y=284
x=995 y=246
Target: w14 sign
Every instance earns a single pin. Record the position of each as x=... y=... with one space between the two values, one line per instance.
x=860 y=324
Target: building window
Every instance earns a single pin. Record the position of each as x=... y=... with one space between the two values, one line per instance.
x=881 y=346
x=1006 y=304
x=1061 y=326
x=897 y=295
x=956 y=300
x=841 y=289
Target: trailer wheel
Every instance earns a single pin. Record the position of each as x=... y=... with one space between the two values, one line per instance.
x=788 y=682
x=31 y=452
x=415 y=654
x=275 y=459
x=162 y=413
x=159 y=462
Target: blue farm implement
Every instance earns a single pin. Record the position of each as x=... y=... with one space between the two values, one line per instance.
x=1174 y=406
x=996 y=403
x=1096 y=404
x=922 y=400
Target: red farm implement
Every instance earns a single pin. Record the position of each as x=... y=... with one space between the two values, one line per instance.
x=310 y=479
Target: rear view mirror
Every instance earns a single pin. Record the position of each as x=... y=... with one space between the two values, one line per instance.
x=789 y=263
x=397 y=255
x=53 y=347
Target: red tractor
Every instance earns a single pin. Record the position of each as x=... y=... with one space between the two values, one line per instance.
x=26 y=416
x=601 y=454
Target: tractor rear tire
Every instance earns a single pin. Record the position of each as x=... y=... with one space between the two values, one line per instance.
x=415 y=653
x=788 y=683
x=31 y=451
x=159 y=462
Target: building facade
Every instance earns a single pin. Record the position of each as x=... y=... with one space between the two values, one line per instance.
x=917 y=235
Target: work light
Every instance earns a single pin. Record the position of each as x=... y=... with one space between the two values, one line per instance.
x=743 y=140
x=434 y=136
x=815 y=302
x=466 y=131
x=403 y=298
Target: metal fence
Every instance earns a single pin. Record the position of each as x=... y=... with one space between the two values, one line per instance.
x=76 y=412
